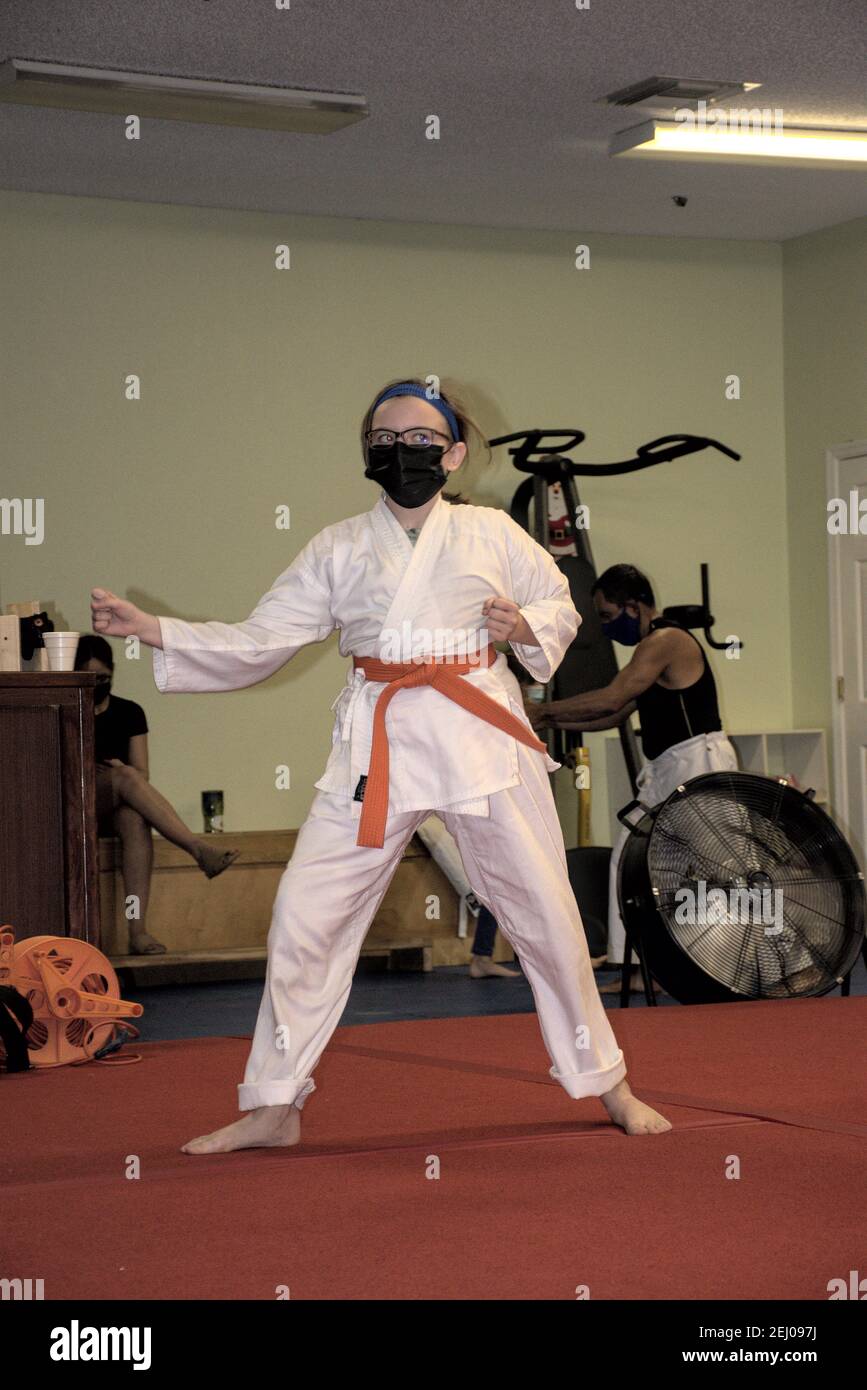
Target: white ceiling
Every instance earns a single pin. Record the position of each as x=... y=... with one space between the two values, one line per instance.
x=514 y=83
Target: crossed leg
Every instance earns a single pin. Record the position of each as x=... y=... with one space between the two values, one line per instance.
x=125 y=796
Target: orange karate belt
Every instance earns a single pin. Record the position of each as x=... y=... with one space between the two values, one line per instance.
x=444 y=674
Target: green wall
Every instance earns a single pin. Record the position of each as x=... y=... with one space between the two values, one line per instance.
x=825 y=357
x=253 y=384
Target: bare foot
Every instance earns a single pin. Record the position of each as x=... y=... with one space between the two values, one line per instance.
x=141 y=943
x=271 y=1126
x=631 y=1113
x=212 y=860
x=636 y=985
x=482 y=966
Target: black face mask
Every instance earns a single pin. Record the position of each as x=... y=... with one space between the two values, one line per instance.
x=409 y=476
x=101 y=689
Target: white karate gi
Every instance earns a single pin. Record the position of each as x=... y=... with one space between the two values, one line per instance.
x=364 y=577
x=656 y=781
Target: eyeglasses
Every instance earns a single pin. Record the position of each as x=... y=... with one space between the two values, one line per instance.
x=416 y=438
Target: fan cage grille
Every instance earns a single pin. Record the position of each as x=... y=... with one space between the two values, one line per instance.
x=756 y=885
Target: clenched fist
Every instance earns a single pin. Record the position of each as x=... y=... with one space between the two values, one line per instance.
x=117 y=617
x=505 y=623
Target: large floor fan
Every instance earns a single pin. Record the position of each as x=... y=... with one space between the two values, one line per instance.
x=740 y=887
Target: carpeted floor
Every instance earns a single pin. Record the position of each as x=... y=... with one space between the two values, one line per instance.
x=536 y=1194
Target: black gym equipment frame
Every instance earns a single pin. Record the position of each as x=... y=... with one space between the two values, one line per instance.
x=540 y=453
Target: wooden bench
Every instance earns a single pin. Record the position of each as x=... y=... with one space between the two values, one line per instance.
x=218 y=928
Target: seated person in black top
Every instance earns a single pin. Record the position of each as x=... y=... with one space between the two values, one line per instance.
x=670 y=683
x=126 y=804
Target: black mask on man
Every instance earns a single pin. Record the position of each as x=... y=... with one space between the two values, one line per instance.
x=410 y=476
x=101 y=689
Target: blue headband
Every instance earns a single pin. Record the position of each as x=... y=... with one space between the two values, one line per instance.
x=408 y=389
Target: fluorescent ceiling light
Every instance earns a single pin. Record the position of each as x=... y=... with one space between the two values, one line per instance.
x=178 y=98
x=706 y=140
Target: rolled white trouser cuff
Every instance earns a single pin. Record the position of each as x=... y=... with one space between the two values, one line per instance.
x=275 y=1093
x=578 y=1084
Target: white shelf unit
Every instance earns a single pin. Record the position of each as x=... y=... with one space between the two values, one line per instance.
x=792 y=753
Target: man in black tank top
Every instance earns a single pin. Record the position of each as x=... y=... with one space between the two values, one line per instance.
x=670 y=683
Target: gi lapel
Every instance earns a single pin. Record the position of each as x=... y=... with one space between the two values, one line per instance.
x=394 y=546
x=412 y=601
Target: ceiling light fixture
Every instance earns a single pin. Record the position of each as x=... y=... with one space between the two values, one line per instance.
x=660 y=96
x=729 y=136
x=258 y=107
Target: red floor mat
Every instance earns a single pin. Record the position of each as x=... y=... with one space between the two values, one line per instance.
x=525 y=1205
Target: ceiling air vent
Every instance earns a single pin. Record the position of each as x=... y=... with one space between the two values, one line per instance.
x=666 y=94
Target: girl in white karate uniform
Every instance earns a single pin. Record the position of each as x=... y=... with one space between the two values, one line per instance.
x=418 y=621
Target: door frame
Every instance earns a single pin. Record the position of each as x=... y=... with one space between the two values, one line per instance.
x=837 y=454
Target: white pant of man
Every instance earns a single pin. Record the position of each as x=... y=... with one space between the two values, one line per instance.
x=656 y=781
x=331 y=888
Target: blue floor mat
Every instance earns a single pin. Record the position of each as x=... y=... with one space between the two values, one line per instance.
x=213 y=1010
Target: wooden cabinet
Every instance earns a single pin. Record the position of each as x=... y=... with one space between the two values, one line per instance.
x=48 y=841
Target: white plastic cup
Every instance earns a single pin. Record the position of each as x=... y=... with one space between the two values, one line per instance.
x=61 y=648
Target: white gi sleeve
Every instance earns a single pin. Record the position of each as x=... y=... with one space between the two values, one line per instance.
x=228 y=656
x=541 y=591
